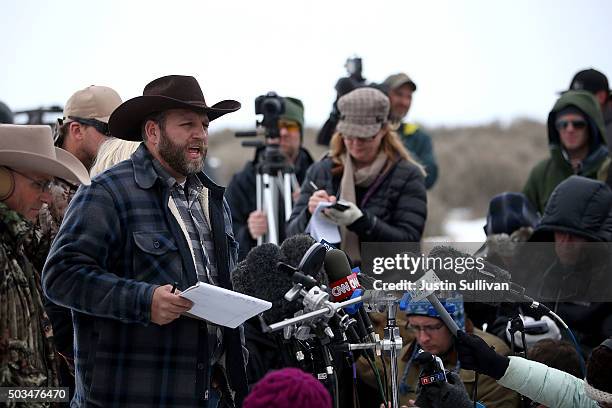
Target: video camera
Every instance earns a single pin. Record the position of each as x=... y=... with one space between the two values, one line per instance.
x=275 y=176
x=271 y=106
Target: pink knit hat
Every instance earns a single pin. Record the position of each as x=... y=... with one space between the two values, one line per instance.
x=289 y=387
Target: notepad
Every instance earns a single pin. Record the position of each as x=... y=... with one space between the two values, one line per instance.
x=222 y=306
x=320 y=227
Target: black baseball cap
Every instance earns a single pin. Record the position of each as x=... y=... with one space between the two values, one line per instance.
x=589 y=80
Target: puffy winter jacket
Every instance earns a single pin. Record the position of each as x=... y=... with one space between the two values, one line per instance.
x=548 y=386
x=394 y=211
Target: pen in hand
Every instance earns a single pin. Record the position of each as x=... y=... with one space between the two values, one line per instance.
x=174 y=285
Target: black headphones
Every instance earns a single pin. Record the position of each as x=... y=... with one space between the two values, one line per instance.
x=7 y=183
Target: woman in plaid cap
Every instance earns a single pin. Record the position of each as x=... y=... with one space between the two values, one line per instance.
x=369 y=168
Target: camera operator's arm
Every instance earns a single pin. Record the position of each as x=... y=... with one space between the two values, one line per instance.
x=538 y=382
x=257 y=224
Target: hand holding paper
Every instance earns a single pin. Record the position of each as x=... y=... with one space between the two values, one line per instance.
x=222 y=306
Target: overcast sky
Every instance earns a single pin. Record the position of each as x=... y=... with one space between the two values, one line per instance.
x=473 y=61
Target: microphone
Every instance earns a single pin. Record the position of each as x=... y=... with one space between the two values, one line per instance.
x=294 y=250
x=490 y=274
x=257 y=275
x=344 y=284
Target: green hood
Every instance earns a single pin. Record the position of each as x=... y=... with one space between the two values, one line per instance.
x=587 y=104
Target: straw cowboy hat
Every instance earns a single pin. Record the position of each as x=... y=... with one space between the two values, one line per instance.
x=30 y=147
x=168 y=92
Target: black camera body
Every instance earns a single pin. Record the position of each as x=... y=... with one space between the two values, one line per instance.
x=271 y=106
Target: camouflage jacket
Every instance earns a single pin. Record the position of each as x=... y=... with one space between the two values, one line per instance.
x=27 y=354
x=51 y=215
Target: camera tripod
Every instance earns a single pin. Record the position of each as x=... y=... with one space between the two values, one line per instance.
x=274 y=179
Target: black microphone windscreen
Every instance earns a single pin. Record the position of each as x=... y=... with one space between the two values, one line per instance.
x=336 y=265
x=258 y=276
x=241 y=281
x=293 y=250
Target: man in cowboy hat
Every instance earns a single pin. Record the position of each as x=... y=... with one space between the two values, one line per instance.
x=28 y=163
x=147 y=222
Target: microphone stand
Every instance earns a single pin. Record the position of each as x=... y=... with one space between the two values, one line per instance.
x=391 y=343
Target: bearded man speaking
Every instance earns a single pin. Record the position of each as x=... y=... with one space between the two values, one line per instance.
x=145 y=223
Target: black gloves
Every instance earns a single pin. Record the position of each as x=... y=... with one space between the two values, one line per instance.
x=451 y=394
x=475 y=354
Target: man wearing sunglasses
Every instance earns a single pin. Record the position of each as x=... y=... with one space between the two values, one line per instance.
x=250 y=224
x=28 y=164
x=576 y=138
x=84 y=125
x=81 y=131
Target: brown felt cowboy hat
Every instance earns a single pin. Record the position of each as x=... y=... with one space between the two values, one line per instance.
x=168 y=92
x=30 y=147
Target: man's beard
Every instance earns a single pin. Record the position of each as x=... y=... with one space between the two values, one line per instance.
x=396 y=116
x=175 y=155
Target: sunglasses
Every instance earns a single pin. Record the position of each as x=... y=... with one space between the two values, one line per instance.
x=96 y=124
x=290 y=126
x=576 y=124
x=43 y=186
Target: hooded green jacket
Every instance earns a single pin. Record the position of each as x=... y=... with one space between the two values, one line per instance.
x=547 y=174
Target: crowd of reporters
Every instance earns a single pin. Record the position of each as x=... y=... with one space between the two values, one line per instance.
x=380 y=169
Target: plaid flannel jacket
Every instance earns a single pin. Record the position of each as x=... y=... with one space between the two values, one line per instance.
x=118 y=242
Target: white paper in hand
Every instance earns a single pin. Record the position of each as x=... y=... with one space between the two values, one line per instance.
x=320 y=227
x=222 y=306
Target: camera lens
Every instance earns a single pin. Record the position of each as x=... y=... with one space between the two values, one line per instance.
x=271 y=106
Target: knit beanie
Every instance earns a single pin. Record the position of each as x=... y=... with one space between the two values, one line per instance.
x=294 y=110
x=289 y=387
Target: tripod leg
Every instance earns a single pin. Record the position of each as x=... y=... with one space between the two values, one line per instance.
x=259 y=200
x=269 y=200
x=287 y=195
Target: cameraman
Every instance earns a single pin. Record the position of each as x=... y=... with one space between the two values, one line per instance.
x=249 y=224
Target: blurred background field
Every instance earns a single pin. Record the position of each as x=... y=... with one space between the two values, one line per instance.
x=475 y=164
